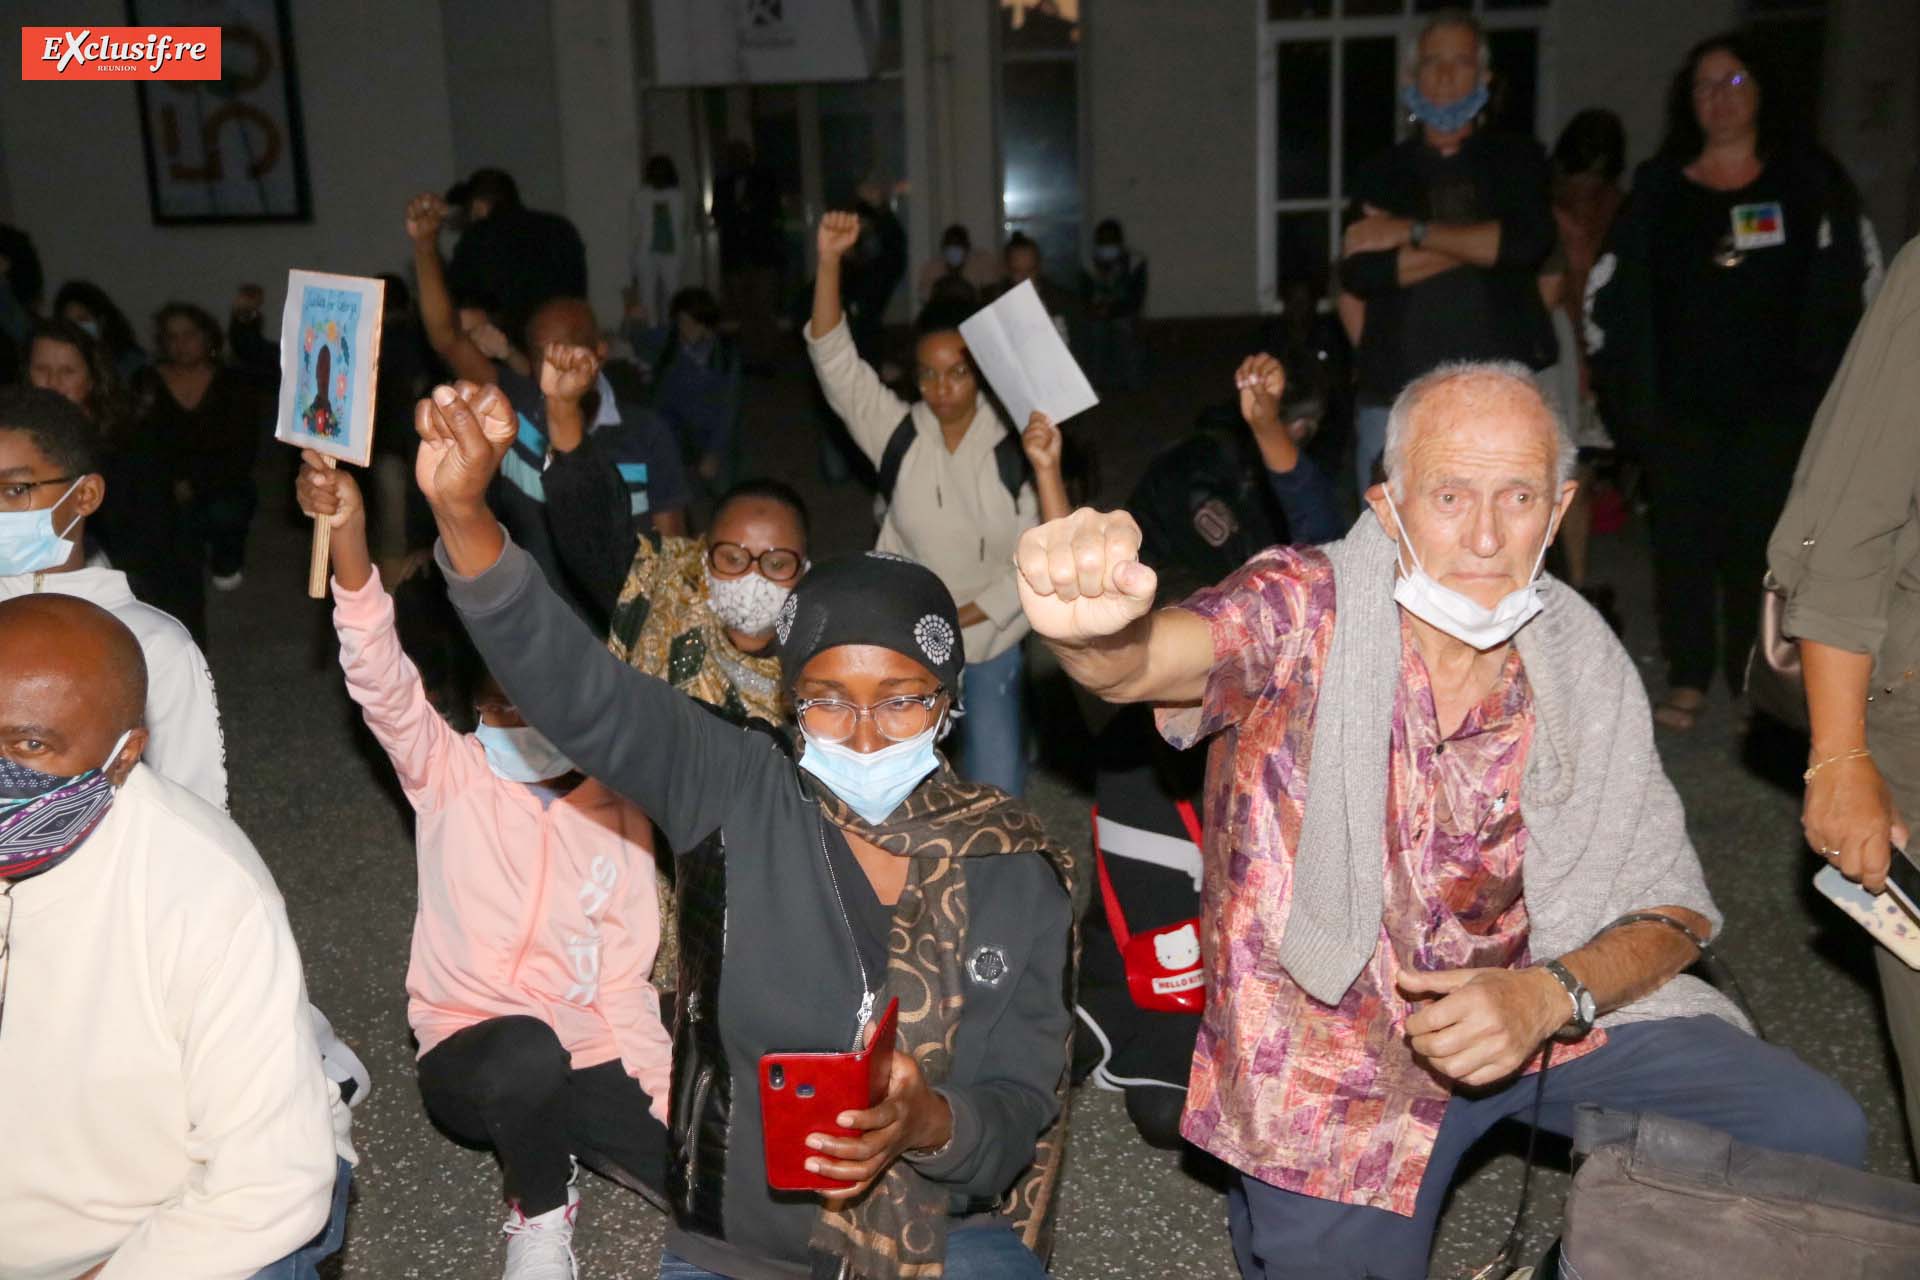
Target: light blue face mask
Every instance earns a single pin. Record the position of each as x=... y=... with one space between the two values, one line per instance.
x=28 y=543
x=521 y=754
x=1450 y=117
x=873 y=783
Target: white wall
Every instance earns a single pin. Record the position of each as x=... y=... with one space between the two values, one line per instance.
x=502 y=95
x=1171 y=94
x=1871 y=114
x=1595 y=67
x=377 y=128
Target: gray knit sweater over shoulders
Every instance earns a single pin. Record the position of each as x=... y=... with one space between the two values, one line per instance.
x=1605 y=830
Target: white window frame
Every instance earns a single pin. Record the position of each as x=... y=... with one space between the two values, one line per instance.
x=1337 y=30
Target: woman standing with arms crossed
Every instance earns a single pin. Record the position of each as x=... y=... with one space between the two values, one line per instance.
x=957 y=500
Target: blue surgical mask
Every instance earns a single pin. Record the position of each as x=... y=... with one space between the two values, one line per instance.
x=521 y=754
x=873 y=783
x=89 y=327
x=956 y=255
x=1448 y=117
x=1107 y=252
x=28 y=542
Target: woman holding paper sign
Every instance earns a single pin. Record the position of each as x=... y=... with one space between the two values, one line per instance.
x=957 y=492
x=811 y=892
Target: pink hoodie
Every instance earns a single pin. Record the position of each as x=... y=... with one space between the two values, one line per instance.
x=547 y=912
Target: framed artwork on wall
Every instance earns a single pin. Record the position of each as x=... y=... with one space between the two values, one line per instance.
x=226 y=150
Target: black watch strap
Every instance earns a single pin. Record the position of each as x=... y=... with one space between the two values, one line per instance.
x=1584 y=1008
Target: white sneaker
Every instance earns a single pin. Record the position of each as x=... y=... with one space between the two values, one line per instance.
x=227 y=581
x=542 y=1248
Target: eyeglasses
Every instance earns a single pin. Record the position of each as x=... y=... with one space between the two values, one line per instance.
x=1713 y=88
x=17 y=495
x=897 y=719
x=777 y=564
x=958 y=375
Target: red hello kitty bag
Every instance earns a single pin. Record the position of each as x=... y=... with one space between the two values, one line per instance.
x=1163 y=965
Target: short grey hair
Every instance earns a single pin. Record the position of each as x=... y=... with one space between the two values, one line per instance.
x=1415 y=393
x=1439 y=21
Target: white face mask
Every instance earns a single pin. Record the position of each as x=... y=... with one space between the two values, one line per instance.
x=748 y=603
x=1461 y=616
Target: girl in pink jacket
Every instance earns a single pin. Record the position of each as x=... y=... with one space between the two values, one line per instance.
x=528 y=990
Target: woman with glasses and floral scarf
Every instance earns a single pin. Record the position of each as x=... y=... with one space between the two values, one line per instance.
x=813 y=893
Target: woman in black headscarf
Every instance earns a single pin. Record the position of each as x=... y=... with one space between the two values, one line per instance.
x=811 y=892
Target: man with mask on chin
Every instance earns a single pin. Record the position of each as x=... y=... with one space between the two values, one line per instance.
x=162 y=1102
x=1451 y=226
x=1438 y=843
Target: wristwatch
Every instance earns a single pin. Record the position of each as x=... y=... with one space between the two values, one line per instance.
x=1585 y=1009
x=1417 y=233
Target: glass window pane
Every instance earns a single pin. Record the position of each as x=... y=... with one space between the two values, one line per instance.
x=1038 y=26
x=886 y=56
x=1516 y=78
x=1372 y=8
x=1433 y=6
x=1304 y=251
x=1288 y=10
x=862 y=133
x=1369 y=100
x=1305 y=97
x=1516 y=4
x=1039 y=114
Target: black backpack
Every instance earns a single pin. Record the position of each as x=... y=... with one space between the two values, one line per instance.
x=1008 y=457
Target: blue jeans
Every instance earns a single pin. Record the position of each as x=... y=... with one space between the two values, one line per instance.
x=1699 y=1069
x=1369 y=441
x=303 y=1263
x=985 y=1252
x=993 y=739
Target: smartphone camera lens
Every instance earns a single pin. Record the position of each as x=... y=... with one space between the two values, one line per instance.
x=777 y=1076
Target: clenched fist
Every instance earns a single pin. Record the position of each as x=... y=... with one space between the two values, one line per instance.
x=1081 y=579
x=464 y=432
x=425 y=213
x=567 y=372
x=839 y=232
x=1042 y=442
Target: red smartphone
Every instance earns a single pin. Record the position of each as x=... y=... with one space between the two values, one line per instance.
x=804 y=1093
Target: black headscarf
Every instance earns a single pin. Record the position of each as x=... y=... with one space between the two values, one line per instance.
x=875 y=598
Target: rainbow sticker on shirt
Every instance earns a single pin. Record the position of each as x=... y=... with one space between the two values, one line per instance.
x=1759 y=226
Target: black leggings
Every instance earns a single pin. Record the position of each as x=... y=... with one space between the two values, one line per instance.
x=510 y=1085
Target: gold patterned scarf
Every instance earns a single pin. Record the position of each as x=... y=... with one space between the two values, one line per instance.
x=663 y=626
x=898 y=1229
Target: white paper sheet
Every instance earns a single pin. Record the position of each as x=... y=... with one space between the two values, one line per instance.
x=1017 y=349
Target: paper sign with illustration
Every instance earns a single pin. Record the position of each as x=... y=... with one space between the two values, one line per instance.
x=1017 y=349
x=329 y=361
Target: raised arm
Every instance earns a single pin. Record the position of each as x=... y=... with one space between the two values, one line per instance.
x=425 y=213
x=1305 y=496
x=637 y=734
x=853 y=390
x=1044 y=446
x=1090 y=598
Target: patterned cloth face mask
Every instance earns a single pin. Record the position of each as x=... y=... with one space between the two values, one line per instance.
x=44 y=817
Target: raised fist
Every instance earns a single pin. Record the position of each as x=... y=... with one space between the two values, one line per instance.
x=567 y=372
x=1260 y=380
x=1080 y=577
x=839 y=232
x=464 y=430
x=425 y=213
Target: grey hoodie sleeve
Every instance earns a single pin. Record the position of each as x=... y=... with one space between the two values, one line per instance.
x=637 y=734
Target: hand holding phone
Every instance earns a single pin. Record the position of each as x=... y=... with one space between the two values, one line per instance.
x=802 y=1094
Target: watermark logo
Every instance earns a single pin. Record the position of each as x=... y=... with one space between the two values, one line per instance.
x=120 y=53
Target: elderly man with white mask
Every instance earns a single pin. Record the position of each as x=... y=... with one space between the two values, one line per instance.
x=1439 y=846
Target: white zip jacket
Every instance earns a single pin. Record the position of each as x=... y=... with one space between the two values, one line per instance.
x=183 y=719
x=950 y=511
